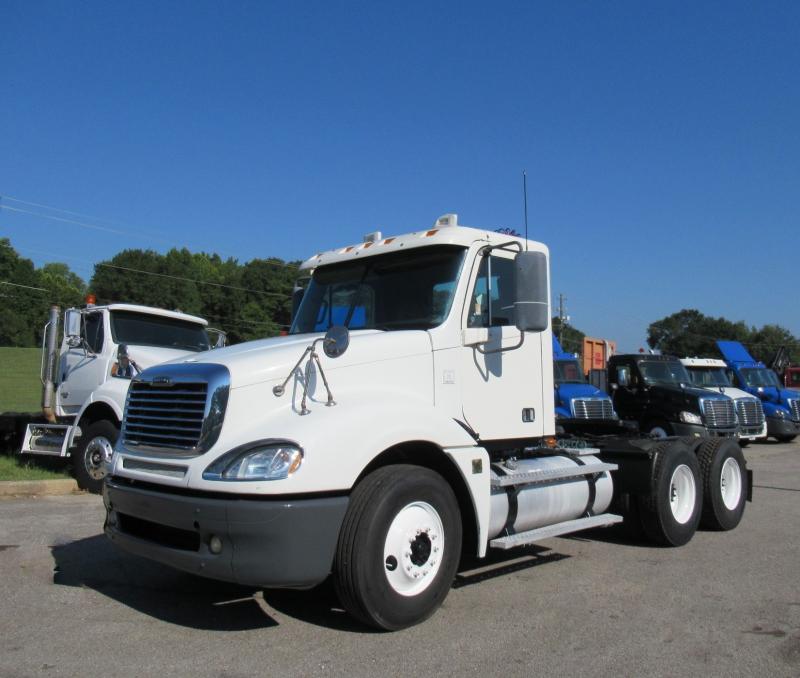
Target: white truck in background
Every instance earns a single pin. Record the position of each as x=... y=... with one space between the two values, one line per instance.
x=85 y=380
x=711 y=374
x=407 y=418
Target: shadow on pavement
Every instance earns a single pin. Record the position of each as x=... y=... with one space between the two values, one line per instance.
x=156 y=590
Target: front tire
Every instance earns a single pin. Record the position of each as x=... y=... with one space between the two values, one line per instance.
x=670 y=514
x=399 y=547
x=785 y=439
x=93 y=451
x=724 y=475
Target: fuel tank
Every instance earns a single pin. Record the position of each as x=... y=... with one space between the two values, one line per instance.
x=543 y=504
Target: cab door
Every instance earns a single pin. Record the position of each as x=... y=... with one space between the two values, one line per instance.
x=503 y=393
x=83 y=368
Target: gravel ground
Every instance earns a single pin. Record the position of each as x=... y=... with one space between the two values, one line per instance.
x=591 y=604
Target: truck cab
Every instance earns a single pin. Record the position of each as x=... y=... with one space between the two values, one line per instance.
x=781 y=405
x=579 y=406
x=712 y=375
x=86 y=378
x=658 y=394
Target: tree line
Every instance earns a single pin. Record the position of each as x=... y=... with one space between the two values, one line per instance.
x=247 y=301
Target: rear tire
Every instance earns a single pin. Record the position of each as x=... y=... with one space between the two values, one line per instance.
x=399 y=547
x=724 y=477
x=670 y=514
x=93 y=451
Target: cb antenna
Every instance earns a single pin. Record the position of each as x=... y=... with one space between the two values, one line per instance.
x=525 y=200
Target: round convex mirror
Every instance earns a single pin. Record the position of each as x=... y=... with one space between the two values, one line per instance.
x=336 y=341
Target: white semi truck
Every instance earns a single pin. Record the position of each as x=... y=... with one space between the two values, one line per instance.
x=407 y=419
x=711 y=374
x=85 y=380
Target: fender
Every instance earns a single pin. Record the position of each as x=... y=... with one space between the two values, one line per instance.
x=111 y=394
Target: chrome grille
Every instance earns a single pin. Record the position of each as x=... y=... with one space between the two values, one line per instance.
x=719 y=413
x=176 y=408
x=592 y=408
x=750 y=412
x=795 y=408
x=165 y=416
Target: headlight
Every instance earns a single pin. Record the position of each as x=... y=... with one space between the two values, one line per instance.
x=780 y=414
x=690 y=418
x=267 y=460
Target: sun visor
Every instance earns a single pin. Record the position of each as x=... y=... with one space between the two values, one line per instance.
x=734 y=352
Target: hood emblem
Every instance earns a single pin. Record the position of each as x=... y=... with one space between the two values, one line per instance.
x=162 y=381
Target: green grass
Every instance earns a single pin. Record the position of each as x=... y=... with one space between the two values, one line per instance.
x=20 y=388
x=15 y=468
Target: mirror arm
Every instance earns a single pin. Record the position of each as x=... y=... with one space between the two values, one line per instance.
x=507 y=246
x=503 y=350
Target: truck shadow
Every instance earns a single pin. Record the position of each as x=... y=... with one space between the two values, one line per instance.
x=156 y=590
x=193 y=602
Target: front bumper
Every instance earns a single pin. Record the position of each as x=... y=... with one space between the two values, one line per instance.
x=574 y=425
x=698 y=430
x=274 y=543
x=782 y=427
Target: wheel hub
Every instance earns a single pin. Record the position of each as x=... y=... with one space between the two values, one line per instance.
x=97 y=454
x=730 y=483
x=682 y=494
x=413 y=548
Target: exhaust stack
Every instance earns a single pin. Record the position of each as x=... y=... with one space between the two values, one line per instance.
x=48 y=372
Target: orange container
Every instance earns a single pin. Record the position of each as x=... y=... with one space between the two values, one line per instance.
x=596 y=353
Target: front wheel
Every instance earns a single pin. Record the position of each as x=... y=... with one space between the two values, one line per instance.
x=670 y=514
x=785 y=439
x=724 y=475
x=93 y=452
x=744 y=442
x=399 y=547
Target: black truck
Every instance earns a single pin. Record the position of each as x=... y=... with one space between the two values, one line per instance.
x=656 y=392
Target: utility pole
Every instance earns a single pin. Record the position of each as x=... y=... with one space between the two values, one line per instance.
x=562 y=317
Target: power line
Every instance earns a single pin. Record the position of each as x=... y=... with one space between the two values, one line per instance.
x=29 y=287
x=161 y=275
x=138 y=233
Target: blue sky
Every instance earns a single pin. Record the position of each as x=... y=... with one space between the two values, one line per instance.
x=661 y=140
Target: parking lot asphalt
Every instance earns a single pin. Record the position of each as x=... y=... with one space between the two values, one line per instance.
x=589 y=604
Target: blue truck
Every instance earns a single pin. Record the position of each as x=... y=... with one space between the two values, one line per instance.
x=781 y=405
x=579 y=406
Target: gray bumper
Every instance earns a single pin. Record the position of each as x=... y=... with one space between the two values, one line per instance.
x=270 y=543
x=699 y=430
x=782 y=427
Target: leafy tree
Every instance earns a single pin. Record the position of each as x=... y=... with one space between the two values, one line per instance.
x=570 y=338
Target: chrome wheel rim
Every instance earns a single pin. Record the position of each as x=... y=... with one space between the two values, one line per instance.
x=96 y=455
x=413 y=549
x=682 y=494
x=658 y=432
x=730 y=483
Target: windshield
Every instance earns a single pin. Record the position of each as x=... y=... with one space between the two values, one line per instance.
x=759 y=376
x=568 y=372
x=154 y=330
x=663 y=372
x=411 y=289
x=709 y=376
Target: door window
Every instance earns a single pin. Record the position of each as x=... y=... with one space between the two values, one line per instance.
x=93 y=331
x=492 y=301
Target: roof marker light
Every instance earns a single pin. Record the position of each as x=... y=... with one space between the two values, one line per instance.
x=388 y=240
x=430 y=233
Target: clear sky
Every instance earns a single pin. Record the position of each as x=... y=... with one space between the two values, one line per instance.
x=661 y=139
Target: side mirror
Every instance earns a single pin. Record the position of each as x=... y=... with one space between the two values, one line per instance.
x=72 y=327
x=336 y=341
x=531 y=292
x=221 y=339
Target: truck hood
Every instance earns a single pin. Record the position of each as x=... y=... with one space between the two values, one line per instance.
x=264 y=360
x=729 y=391
x=777 y=396
x=147 y=356
x=568 y=392
x=688 y=396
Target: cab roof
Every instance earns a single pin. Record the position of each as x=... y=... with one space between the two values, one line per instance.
x=445 y=231
x=703 y=362
x=148 y=310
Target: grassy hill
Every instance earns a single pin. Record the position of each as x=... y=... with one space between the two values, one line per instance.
x=20 y=388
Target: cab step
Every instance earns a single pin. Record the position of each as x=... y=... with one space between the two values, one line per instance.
x=549 y=475
x=556 y=530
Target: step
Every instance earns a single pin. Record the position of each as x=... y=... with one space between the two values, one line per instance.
x=550 y=474
x=531 y=536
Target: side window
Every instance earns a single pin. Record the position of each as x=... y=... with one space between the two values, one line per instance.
x=93 y=331
x=492 y=300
